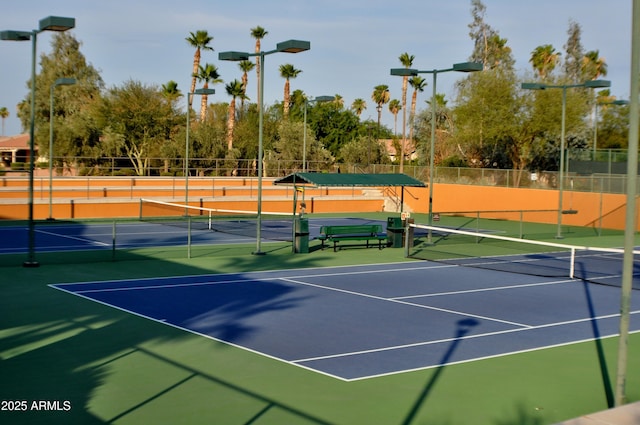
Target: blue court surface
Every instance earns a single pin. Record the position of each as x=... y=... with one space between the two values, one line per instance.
x=360 y=322
x=61 y=236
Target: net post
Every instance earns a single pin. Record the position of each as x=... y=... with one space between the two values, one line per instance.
x=189 y=236
x=573 y=263
x=113 y=242
x=406 y=238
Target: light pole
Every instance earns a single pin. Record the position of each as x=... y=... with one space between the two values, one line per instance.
x=404 y=72
x=630 y=218
x=289 y=46
x=304 y=134
x=51 y=23
x=186 y=148
x=593 y=84
x=595 y=122
x=58 y=82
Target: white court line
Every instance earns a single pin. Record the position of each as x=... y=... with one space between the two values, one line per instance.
x=458 y=313
x=495 y=288
x=483 y=335
x=89 y=241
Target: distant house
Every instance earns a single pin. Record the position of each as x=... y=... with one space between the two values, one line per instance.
x=390 y=148
x=14 y=149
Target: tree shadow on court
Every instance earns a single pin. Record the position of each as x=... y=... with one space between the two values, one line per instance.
x=111 y=366
x=463 y=328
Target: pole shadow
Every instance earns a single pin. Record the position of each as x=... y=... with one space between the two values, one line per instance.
x=464 y=326
x=597 y=338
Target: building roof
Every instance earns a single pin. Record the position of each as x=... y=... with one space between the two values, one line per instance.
x=339 y=179
x=21 y=141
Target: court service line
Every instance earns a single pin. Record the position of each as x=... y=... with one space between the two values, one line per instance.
x=444 y=310
x=495 y=288
x=262 y=279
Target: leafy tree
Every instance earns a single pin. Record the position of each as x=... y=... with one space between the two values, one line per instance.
x=75 y=131
x=447 y=152
x=486 y=115
x=136 y=121
x=573 y=62
x=363 y=150
x=613 y=127
x=489 y=48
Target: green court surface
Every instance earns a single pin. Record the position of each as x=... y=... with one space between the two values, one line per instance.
x=92 y=364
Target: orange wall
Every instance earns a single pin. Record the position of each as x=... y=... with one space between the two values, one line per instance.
x=589 y=206
x=118 y=197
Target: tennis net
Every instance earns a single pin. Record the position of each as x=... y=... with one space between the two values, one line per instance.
x=488 y=250
x=274 y=225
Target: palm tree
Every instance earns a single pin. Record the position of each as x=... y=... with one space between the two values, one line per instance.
x=593 y=66
x=394 y=107
x=338 y=100
x=358 y=106
x=418 y=84
x=380 y=96
x=4 y=114
x=200 y=41
x=246 y=67
x=406 y=60
x=171 y=91
x=544 y=60
x=208 y=74
x=234 y=89
x=258 y=33
x=287 y=71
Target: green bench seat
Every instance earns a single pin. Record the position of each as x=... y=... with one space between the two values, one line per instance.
x=359 y=232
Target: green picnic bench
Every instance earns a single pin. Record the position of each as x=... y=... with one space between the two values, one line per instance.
x=359 y=232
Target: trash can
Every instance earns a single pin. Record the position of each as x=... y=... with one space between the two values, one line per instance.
x=301 y=239
x=395 y=232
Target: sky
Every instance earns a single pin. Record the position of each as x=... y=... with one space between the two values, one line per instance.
x=354 y=43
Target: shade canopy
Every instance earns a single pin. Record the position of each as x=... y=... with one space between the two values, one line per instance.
x=339 y=179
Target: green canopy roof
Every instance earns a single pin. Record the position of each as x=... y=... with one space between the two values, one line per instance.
x=339 y=179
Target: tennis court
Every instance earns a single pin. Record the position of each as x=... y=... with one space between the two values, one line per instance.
x=366 y=321
x=354 y=336
x=73 y=236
